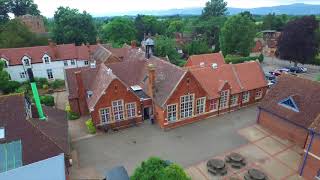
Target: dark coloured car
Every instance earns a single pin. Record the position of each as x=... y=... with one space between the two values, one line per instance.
x=297 y=69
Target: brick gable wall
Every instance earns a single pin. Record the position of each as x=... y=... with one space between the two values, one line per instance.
x=117 y=91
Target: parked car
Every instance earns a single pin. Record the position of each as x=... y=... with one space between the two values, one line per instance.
x=270 y=77
x=283 y=70
x=275 y=73
x=297 y=69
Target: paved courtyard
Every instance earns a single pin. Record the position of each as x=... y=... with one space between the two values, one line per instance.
x=186 y=145
x=277 y=158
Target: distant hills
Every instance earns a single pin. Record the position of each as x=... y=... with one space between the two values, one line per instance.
x=292 y=9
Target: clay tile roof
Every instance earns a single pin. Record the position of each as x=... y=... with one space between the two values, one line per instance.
x=133 y=71
x=304 y=92
x=316 y=124
x=251 y=75
x=207 y=59
x=58 y=52
x=103 y=79
x=40 y=139
x=55 y=127
x=85 y=52
x=87 y=74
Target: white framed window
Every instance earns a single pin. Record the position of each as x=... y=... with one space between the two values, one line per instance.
x=234 y=100
x=50 y=73
x=86 y=63
x=22 y=75
x=65 y=63
x=172 y=112
x=46 y=59
x=258 y=94
x=2 y=133
x=117 y=107
x=224 y=99
x=186 y=106
x=73 y=62
x=26 y=62
x=105 y=115
x=201 y=105
x=214 y=104
x=6 y=63
x=131 y=110
x=245 y=97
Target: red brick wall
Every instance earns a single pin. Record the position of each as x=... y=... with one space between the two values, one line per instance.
x=283 y=128
x=312 y=164
x=116 y=91
x=74 y=105
x=188 y=85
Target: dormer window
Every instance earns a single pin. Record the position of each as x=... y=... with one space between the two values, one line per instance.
x=46 y=59
x=89 y=94
x=26 y=61
x=289 y=103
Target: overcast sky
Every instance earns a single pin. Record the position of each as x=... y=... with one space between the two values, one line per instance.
x=103 y=7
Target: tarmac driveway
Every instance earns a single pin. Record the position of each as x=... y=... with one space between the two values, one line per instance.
x=186 y=145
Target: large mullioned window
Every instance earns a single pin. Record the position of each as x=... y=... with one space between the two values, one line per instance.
x=117 y=107
x=186 y=106
x=201 y=105
x=172 y=112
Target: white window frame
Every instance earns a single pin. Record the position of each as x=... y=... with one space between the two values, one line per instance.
x=46 y=59
x=118 y=110
x=224 y=99
x=86 y=63
x=258 y=94
x=186 y=106
x=214 y=103
x=201 y=105
x=2 y=133
x=234 y=101
x=105 y=115
x=73 y=62
x=23 y=75
x=50 y=74
x=246 y=97
x=65 y=63
x=131 y=110
x=172 y=111
x=26 y=59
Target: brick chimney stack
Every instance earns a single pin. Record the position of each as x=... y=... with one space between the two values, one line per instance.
x=133 y=44
x=82 y=103
x=152 y=80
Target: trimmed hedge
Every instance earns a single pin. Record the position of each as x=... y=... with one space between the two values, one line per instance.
x=56 y=84
x=90 y=126
x=47 y=100
x=238 y=59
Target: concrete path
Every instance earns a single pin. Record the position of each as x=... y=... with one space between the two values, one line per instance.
x=186 y=145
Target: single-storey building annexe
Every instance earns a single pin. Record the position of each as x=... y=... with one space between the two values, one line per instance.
x=291 y=110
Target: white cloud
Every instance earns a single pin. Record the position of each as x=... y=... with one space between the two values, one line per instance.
x=101 y=7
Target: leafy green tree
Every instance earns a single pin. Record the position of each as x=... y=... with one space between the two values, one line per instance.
x=209 y=30
x=273 y=22
x=247 y=13
x=214 y=8
x=22 y=7
x=196 y=47
x=174 y=172
x=175 y=26
x=4 y=76
x=165 y=46
x=298 y=42
x=147 y=24
x=71 y=26
x=237 y=36
x=4 y=10
x=157 y=169
x=120 y=30
x=15 y=34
